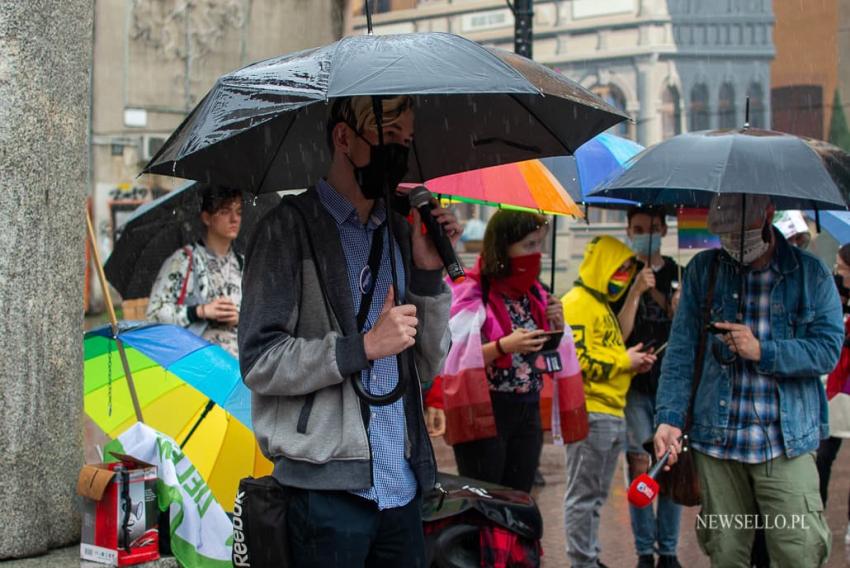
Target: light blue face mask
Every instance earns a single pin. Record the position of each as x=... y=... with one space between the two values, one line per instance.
x=641 y=243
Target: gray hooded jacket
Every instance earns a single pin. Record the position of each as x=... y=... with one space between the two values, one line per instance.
x=299 y=352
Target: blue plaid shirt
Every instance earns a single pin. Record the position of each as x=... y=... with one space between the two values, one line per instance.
x=754 y=434
x=393 y=482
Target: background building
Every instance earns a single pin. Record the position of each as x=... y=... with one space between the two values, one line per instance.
x=154 y=60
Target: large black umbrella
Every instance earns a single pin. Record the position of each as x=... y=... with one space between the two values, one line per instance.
x=262 y=128
x=157 y=229
x=689 y=169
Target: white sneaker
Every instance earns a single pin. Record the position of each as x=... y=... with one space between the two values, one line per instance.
x=847 y=535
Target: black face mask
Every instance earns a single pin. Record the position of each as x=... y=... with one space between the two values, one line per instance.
x=385 y=163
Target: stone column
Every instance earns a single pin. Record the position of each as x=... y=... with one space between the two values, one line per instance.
x=45 y=58
x=648 y=131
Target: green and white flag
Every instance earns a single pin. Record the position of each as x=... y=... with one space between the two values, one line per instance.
x=201 y=532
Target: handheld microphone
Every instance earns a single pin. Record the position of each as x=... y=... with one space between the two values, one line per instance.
x=420 y=198
x=644 y=488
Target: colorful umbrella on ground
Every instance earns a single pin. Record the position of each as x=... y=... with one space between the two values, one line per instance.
x=188 y=389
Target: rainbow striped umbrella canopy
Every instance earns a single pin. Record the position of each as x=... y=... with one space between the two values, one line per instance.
x=548 y=185
x=525 y=186
x=188 y=389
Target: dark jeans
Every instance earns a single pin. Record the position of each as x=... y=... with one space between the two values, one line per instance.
x=827 y=452
x=338 y=529
x=512 y=457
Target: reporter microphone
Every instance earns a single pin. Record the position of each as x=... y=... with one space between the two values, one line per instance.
x=420 y=198
x=644 y=488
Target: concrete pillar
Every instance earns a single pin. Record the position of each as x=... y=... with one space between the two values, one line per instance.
x=648 y=130
x=45 y=58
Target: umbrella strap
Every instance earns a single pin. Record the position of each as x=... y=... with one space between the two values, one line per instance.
x=182 y=298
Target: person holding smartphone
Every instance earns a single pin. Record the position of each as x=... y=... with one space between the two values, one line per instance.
x=607 y=366
x=518 y=316
x=645 y=313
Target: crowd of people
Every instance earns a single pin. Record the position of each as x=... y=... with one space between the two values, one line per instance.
x=723 y=359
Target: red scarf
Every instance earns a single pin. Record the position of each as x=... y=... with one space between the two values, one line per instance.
x=515 y=286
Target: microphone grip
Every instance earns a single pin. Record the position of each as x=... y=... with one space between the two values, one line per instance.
x=659 y=464
x=442 y=243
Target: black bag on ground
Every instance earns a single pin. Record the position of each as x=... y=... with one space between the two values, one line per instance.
x=259 y=524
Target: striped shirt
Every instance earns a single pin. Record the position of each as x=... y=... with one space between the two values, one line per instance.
x=393 y=482
x=754 y=434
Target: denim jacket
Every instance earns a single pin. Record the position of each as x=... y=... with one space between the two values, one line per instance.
x=806 y=339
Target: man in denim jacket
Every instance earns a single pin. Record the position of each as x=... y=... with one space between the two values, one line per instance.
x=760 y=409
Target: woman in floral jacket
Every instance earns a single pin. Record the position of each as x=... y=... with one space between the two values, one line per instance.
x=200 y=286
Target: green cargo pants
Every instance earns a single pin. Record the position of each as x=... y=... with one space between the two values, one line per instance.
x=782 y=496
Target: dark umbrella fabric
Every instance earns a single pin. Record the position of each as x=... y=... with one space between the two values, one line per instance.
x=263 y=128
x=689 y=169
x=157 y=229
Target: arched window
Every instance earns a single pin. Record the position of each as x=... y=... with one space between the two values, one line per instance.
x=612 y=95
x=726 y=107
x=757 y=110
x=699 y=108
x=671 y=117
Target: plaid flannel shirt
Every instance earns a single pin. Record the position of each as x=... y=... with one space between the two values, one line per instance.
x=754 y=434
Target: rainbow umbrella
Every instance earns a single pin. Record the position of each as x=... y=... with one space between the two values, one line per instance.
x=188 y=388
x=525 y=186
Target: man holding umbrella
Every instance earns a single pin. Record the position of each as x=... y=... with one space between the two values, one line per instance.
x=774 y=326
x=319 y=263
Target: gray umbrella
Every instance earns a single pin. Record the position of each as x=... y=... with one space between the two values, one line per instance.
x=262 y=128
x=689 y=169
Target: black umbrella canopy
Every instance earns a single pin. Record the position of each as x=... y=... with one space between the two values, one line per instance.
x=263 y=128
x=689 y=169
x=157 y=229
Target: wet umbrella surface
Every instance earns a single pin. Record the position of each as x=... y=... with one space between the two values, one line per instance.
x=689 y=169
x=263 y=128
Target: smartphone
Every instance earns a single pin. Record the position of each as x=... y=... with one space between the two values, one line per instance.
x=712 y=328
x=553 y=339
x=660 y=349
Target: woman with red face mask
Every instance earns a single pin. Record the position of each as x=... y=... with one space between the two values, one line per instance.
x=510 y=312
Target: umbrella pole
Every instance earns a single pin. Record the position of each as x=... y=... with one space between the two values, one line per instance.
x=554 y=249
x=112 y=319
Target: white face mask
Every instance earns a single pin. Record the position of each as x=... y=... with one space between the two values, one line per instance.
x=754 y=245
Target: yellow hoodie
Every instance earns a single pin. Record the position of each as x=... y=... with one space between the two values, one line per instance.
x=599 y=344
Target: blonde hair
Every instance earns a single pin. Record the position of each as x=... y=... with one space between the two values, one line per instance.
x=357 y=113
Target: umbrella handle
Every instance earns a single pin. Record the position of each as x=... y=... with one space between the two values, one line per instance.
x=395 y=394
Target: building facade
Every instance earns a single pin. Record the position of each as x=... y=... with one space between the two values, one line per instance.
x=673 y=65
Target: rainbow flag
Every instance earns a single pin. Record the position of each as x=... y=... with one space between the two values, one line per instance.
x=693 y=229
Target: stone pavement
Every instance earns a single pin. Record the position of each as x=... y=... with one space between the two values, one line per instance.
x=615 y=529
x=70 y=557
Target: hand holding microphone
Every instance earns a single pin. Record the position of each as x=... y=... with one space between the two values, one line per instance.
x=644 y=488
x=420 y=199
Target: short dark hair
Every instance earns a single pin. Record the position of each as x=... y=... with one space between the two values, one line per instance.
x=214 y=197
x=654 y=212
x=505 y=228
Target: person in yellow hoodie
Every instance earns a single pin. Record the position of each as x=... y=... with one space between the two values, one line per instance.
x=607 y=368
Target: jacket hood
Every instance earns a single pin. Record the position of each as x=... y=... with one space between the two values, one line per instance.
x=602 y=257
